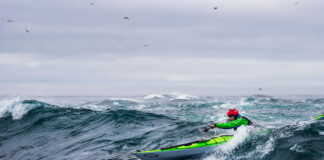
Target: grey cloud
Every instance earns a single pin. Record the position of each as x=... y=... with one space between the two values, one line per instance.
x=73 y=44
x=76 y=28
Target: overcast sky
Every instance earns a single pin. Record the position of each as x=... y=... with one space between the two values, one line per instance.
x=87 y=47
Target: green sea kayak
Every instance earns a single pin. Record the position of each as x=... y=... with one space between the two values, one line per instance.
x=190 y=150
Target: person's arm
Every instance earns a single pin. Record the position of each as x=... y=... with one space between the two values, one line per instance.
x=232 y=124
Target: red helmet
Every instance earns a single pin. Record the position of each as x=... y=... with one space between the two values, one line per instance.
x=233 y=112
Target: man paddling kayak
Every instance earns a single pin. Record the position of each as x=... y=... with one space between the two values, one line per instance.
x=193 y=150
x=234 y=121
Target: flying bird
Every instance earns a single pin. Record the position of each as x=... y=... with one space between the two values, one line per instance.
x=126 y=18
x=260 y=89
x=146 y=45
x=92 y=4
x=26 y=30
x=296 y=3
x=9 y=21
x=215 y=8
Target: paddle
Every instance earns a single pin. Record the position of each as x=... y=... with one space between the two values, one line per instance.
x=205 y=129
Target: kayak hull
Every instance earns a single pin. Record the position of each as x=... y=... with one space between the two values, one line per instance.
x=192 y=153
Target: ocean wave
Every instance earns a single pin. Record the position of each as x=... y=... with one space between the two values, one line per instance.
x=114 y=128
x=154 y=96
x=180 y=96
x=18 y=107
x=315 y=101
x=119 y=101
x=172 y=96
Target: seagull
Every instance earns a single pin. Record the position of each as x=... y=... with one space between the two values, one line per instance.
x=126 y=18
x=92 y=4
x=26 y=30
x=9 y=21
x=260 y=89
x=146 y=45
x=215 y=8
x=295 y=3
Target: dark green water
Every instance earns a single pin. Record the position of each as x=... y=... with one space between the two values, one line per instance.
x=114 y=128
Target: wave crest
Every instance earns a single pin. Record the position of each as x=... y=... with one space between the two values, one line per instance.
x=18 y=107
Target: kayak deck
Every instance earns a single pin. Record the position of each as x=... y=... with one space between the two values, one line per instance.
x=202 y=143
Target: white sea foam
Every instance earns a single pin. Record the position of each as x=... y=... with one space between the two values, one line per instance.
x=266 y=148
x=14 y=107
x=297 y=148
x=125 y=99
x=180 y=96
x=139 y=107
x=92 y=107
x=172 y=96
x=260 y=151
x=227 y=105
x=221 y=117
x=153 y=96
x=215 y=106
x=239 y=137
x=116 y=103
x=224 y=150
x=243 y=102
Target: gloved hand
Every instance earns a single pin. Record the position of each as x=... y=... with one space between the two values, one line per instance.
x=213 y=125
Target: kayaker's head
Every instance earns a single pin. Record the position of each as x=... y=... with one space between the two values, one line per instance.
x=232 y=114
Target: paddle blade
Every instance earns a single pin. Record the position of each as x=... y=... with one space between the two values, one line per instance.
x=204 y=129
